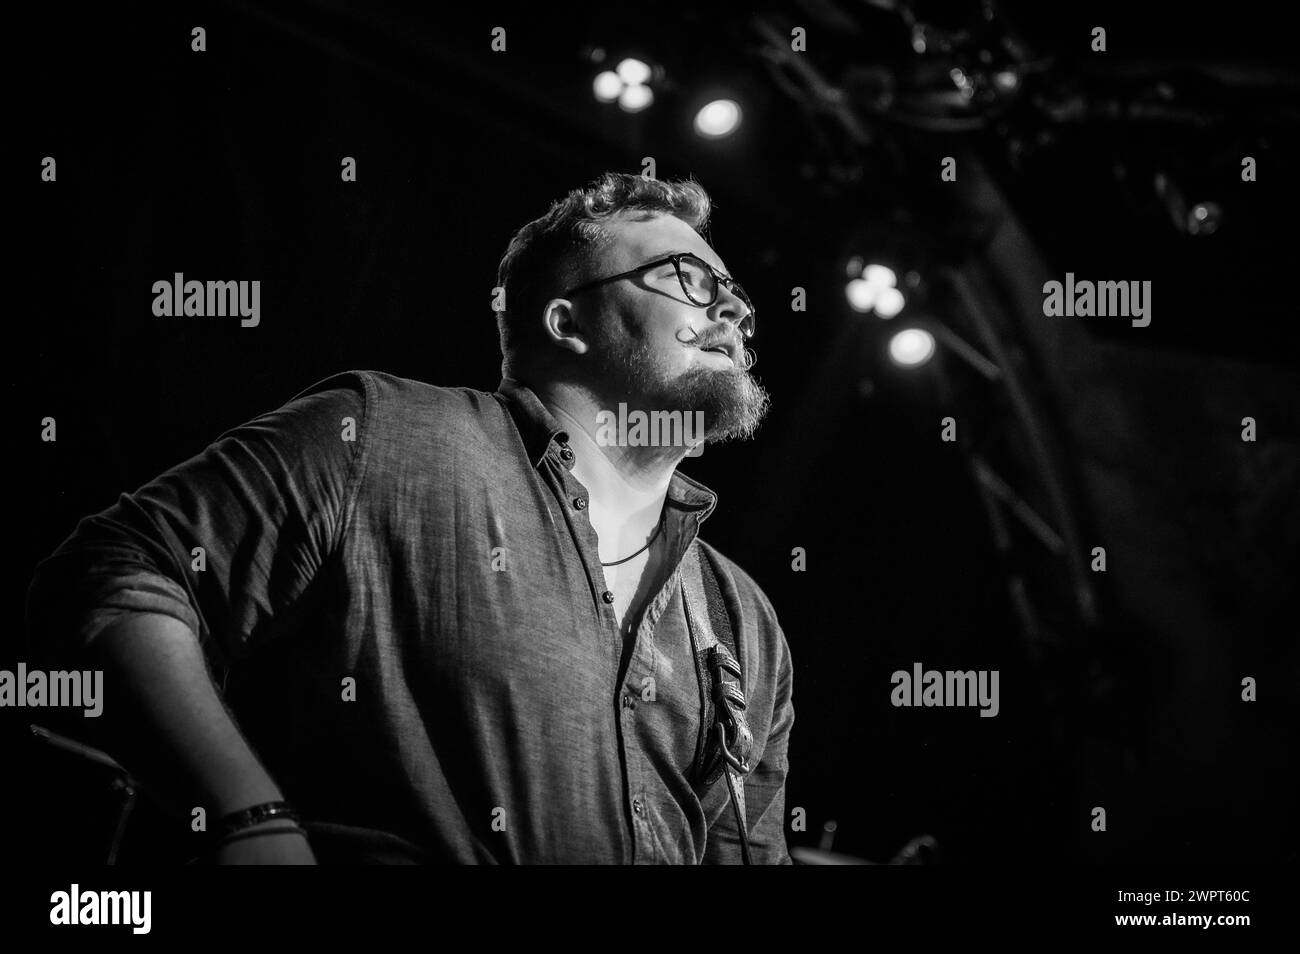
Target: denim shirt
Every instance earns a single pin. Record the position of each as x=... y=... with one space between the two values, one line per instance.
x=400 y=592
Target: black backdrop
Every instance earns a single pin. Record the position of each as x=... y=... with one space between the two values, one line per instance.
x=225 y=164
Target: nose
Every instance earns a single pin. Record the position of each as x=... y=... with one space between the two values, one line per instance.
x=731 y=307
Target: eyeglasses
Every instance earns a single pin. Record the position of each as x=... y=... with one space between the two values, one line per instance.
x=699 y=280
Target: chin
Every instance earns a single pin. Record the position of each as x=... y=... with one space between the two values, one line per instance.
x=732 y=400
x=734 y=404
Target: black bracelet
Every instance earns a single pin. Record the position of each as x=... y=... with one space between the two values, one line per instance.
x=259 y=833
x=254 y=815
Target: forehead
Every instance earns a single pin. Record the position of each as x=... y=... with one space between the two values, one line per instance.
x=642 y=237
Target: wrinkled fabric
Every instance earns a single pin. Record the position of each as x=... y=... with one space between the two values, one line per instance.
x=403 y=603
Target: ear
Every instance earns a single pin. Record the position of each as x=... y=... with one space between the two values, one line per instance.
x=562 y=326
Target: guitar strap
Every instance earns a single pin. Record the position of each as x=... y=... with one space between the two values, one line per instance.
x=726 y=744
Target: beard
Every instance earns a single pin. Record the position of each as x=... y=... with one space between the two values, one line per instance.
x=731 y=399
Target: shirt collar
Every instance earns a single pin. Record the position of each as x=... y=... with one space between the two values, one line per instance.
x=542 y=434
x=537 y=425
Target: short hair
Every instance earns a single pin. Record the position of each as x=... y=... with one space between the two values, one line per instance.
x=547 y=256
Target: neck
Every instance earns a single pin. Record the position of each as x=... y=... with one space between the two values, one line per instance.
x=627 y=485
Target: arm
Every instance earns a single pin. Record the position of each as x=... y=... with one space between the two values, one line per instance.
x=179 y=737
x=267 y=503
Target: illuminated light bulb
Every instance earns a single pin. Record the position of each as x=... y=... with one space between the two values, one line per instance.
x=607 y=86
x=1203 y=218
x=889 y=302
x=911 y=347
x=635 y=98
x=861 y=294
x=633 y=72
x=880 y=275
x=718 y=118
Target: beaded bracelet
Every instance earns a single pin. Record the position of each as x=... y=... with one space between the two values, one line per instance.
x=254 y=815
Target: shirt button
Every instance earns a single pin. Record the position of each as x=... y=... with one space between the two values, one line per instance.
x=638 y=806
x=580 y=503
x=628 y=702
x=607 y=596
x=566 y=453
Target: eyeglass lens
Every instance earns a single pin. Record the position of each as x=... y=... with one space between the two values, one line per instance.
x=701 y=287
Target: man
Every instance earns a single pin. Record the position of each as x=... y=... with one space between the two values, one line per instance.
x=462 y=626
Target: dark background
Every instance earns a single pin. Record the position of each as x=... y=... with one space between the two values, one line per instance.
x=1118 y=689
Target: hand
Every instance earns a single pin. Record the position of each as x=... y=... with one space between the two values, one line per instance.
x=287 y=846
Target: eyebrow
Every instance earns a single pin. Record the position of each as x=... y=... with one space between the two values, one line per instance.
x=686 y=251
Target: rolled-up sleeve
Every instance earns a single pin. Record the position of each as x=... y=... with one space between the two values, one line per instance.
x=222 y=541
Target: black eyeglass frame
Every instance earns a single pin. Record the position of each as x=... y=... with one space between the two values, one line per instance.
x=745 y=325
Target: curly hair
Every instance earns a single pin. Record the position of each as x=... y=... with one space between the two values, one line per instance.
x=551 y=253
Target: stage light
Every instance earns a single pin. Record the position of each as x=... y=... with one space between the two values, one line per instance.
x=875 y=291
x=1204 y=218
x=607 y=86
x=911 y=347
x=635 y=98
x=861 y=294
x=633 y=72
x=963 y=83
x=889 y=302
x=1006 y=80
x=718 y=118
x=1190 y=218
x=880 y=275
x=626 y=84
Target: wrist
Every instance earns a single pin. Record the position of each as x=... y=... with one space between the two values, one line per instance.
x=272 y=829
x=255 y=816
x=244 y=795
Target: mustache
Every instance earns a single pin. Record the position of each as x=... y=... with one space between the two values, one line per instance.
x=692 y=337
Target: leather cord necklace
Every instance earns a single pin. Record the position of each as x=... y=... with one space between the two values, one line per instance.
x=658 y=527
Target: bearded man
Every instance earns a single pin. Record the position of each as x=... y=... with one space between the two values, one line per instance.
x=395 y=622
